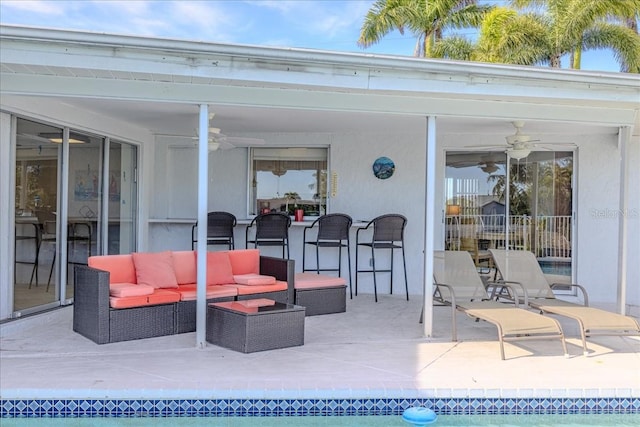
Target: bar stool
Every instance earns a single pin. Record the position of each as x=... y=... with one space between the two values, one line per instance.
x=388 y=233
x=333 y=232
x=220 y=227
x=24 y=236
x=272 y=229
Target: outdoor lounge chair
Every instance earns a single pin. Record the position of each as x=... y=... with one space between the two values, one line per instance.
x=520 y=269
x=458 y=284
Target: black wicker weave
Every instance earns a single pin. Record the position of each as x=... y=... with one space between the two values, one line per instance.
x=323 y=300
x=252 y=332
x=94 y=319
x=271 y=229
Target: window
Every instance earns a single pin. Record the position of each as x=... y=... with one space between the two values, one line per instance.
x=283 y=179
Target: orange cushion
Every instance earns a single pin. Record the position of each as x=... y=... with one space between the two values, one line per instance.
x=248 y=290
x=245 y=261
x=159 y=296
x=313 y=281
x=120 y=267
x=219 y=268
x=155 y=269
x=129 y=290
x=189 y=292
x=163 y=296
x=128 y=302
x=253 y=279
x=184 y=266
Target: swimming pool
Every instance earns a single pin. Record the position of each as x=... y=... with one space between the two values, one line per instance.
x=561 y=268
x=572 y=420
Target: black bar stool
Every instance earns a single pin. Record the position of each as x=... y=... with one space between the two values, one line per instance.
x=272 y=229
x=388 y=233
x=333 y=232
x=220 y=227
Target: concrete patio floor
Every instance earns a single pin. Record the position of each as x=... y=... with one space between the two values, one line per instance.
x=372 y=350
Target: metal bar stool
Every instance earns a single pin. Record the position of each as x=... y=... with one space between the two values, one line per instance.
x=220 y=227
x=388 y=233
x=24 y=236
x=271 y=229
x=333 y=232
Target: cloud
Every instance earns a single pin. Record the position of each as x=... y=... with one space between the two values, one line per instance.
x=40 y=7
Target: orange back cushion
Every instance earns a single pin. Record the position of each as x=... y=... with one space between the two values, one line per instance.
x=184 y=265
x=155 y=269
x=120 y=266
x=245 y=261
x=219 y=270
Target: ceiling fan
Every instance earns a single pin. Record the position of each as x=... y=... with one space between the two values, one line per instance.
x=520 y=145
x=219 y=141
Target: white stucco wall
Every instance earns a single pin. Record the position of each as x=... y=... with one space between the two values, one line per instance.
x=363 y=196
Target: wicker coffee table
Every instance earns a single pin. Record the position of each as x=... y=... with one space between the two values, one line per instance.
x=255 y=325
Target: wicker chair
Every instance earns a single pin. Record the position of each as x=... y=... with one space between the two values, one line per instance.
x=220 y=227
x=333 y=232
x=388 y=233
x=271 y=229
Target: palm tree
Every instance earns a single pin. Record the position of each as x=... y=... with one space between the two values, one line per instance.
x=427 y=19
x=546 y=30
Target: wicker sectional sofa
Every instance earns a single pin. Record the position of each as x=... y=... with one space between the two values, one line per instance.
x=144 y=295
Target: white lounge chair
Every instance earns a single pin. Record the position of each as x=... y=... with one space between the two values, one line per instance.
x=458 y=284
x=520 y=270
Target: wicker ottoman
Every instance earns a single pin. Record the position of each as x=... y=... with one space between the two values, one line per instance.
x=320 y=294
x=255 y=325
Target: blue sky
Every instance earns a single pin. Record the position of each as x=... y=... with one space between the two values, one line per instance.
x=327 y=25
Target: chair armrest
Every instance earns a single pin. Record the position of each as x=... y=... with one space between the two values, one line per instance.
x=359 y=229
x=304 y=231
x=91 y=303
x=499 y=285
x=585 y=296
x=282 y=269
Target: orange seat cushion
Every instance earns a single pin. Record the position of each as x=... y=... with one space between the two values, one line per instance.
x=248 y=290
x=245 y=261
x=120 y=267
x=159 y=296
x=189 y=292
x=253 y=279
x=129 y=290
x=314 y=281
x=155 y=269
x=184 y=266
x=219 y=270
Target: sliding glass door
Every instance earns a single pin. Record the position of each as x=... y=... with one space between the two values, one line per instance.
x=496 y=202
x=64 y=192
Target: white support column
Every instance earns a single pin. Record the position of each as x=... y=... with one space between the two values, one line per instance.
x=623 y=241
x=7 y=215
x=203 y=192
x=63 y=219
x=429 y=228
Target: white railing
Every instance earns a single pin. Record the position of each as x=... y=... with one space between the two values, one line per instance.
x=548 y=236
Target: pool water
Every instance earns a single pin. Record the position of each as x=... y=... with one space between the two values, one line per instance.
x=573 y=420
x=561 y=268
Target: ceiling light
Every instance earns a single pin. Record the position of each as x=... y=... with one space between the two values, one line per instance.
x=56 y=137
x=518 y=153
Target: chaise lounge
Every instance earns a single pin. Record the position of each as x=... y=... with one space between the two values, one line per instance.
x=458 y=284
x=528 y=284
